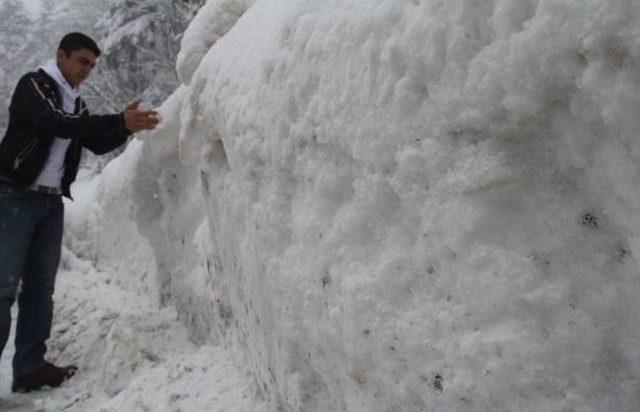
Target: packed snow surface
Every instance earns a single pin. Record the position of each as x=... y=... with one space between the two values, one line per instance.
x=394 y=205
x=132 y=356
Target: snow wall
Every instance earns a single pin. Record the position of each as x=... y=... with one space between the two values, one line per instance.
x=394 y=205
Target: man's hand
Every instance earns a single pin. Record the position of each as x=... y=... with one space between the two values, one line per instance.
x=136 y=120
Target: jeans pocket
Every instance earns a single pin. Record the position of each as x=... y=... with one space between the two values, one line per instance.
x=8 y=191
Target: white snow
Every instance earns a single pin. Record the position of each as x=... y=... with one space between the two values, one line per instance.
x=400 y=196
x=212 y=22
x=132 y=355
x=387 y=205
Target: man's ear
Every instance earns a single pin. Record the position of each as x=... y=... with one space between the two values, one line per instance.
x=60 y=54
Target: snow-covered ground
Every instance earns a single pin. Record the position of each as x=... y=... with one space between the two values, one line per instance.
x=377 y=205
x=132 y=355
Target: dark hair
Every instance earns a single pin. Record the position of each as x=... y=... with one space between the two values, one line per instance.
x=76 y=41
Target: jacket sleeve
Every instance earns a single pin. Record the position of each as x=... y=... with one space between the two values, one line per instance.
x=32 y=103
x=105 y=141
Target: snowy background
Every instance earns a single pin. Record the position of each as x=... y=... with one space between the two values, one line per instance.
x=374 y=205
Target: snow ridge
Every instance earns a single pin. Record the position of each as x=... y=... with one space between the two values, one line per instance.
x=212 y=22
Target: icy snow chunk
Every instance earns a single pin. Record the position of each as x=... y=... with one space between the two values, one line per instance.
x=122 y=356
x=213 y=21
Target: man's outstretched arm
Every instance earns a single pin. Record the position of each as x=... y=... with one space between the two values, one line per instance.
x=135 y=120
x=32 y=102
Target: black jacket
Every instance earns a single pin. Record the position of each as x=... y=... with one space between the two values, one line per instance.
x=36 y=118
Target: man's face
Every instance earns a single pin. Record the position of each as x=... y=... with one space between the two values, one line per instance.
x=77 y=66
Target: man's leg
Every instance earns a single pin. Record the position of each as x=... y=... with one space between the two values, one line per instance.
x=35 y=298
x=17 y=222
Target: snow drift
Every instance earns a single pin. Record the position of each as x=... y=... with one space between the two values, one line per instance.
x=396 y=205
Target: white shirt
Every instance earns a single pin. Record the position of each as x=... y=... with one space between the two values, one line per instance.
x=53 y=170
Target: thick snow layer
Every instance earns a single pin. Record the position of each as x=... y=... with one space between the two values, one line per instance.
x=397 y=205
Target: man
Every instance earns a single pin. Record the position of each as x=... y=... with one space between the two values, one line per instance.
x=49 y=126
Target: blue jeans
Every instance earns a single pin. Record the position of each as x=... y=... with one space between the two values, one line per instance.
x=31 y=226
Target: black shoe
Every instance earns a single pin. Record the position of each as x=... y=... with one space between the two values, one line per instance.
x=47 y=375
